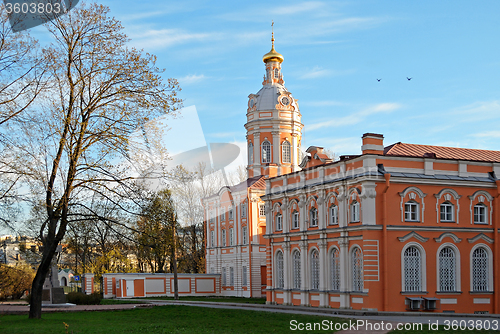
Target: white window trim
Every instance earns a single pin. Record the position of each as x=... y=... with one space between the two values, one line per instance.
x=423 y=264
x=330 y=267
x=294 y=272
x=332 y=221
x=447 y=204
x=244 y=278
x=278 y=219
x=311 y=220
x=231 y=236
x=295 y=212
x=244 y=235
x=267 y=156
x=351 y=278
x=490 y=266
x=486 y=215
x=355 y=208
x=314 y=249
x=284 y=145
x=458 y=275
x=277 y=278
x=223 y=237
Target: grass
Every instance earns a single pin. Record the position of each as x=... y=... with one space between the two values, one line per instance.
x=160 y=319
x=216 y=299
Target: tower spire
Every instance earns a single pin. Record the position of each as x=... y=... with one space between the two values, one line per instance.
x=272 y=55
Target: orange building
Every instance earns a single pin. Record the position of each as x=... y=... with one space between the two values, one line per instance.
x=405 y=227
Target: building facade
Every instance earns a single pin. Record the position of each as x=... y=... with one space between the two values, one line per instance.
x=405 y=227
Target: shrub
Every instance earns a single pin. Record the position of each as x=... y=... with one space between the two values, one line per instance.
x=80 y=298
x=14 y=281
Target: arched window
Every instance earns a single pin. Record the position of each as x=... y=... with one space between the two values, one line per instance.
x=480 y=270
x=276 y=73
x=335 y=270
x=357 y=269
x=250 y=153
x=411 y=211
x=266 y=152
x=412 y=269
x=446 y=212
x=355 y=211
x=334 y=215
x=313 y=217
x=286 y=152
x=296 y=269
x=279 y=222
x=295 y=220
x=447 y=270
x=280 y=276
x=480 y=214
x=314 y=270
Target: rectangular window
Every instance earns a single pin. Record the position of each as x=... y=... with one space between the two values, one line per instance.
x=262 y=210
x=244 y=276
x=231 y=237
x=355 y=212
x=446 y=212
x=314 y=217
x=244 y=235
x=279 y=222
x=411 y=211
x=223 y=237
x=223 y=276
x=243 y=210
x=212 y=238
x=295 y=219
x=231 y=276
x=334 y=219
x=480 y=214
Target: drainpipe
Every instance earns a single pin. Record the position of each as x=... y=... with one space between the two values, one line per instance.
x=496 y=256
x=250 y=236
x=387 y=177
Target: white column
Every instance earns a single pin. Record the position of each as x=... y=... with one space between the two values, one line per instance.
x=321 y=210
x=287 y=272
x=276 y=150
x=294 y=156
x=304 y=284
x=302 y=212
x=344 y=272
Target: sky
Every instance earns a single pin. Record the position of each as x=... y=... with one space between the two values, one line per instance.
x=334 y=53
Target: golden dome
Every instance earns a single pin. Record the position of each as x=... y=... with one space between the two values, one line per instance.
x=273 y=55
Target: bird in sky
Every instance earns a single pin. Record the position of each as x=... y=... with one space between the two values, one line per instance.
x=379 y=80
x=408 y=78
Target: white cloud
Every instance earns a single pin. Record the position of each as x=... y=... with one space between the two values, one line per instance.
x=355 y=118
x=481 y=110
x=316 y=72
x=154 y=39
x=488 y=134
x=299 y=8
x=191 y=79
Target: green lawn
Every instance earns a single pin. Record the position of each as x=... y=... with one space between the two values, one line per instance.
x=162 y=319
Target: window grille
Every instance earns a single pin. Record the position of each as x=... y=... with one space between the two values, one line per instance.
x=243 y=209
x=223 y=276
x=446 y=212
x=266 y=152
x=447 y=270
x=315 y=270
x=480 y=214
x=411 y=211
x=250 y=153
x=334 y=212
x=276 y=73
x=244 y=235
x=262 y=210
x=285 y=152
x=280 y=283
x=412 y=269
x=354 y=211
x=357 y=269
x=480 y=270
x=231 y=276
x=212 y=238
x=313 y=216
x=295 y=219
x=223 y=237
x=244 y=276
x=296 y=270
x=335 y=270
x=231 y=237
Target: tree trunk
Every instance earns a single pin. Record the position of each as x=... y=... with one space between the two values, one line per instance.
x=174 y=260
x=49 y=250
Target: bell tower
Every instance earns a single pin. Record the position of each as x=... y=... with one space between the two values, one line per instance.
x=274 y=128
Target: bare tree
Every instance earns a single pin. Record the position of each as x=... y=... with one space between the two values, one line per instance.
x=102 y=92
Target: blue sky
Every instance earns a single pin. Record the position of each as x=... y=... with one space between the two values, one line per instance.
x=334 y=52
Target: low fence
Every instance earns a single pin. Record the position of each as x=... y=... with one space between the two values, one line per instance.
x=117 y=285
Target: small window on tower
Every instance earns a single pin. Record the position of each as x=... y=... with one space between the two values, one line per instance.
x=276 y=73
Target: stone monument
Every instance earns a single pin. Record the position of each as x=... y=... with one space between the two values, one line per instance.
x=52 y=293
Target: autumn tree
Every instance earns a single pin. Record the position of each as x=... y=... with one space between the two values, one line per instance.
x=77 y=140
